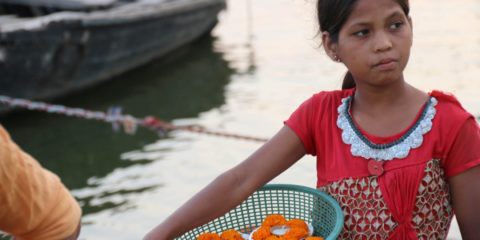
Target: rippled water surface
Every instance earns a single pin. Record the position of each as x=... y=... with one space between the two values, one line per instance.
x=262 y=62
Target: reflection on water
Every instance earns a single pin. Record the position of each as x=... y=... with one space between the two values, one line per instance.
x=188 y=82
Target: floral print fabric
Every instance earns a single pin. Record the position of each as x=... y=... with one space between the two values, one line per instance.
x=368 y=216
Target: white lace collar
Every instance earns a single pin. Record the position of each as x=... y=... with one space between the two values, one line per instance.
x=400 y=148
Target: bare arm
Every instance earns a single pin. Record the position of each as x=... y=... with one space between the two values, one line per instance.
x=282 y=151
x=465 y=189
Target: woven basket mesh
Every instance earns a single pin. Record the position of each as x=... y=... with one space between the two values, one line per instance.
x=292 y=201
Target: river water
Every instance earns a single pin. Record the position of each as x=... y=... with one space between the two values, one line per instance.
x=261 y=63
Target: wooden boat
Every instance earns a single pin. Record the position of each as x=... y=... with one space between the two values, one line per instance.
x=49 y=48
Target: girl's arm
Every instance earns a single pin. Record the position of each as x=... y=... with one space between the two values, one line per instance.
x=465 y=189
x=234 y=186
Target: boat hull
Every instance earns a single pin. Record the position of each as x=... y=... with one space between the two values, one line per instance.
x=67 y=52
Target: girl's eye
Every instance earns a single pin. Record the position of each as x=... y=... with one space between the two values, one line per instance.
x=396 y=25
x=361 y=33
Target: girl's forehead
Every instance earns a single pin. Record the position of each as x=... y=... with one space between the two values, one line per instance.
x=370 y=9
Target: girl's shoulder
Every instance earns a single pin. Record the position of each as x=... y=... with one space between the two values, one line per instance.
x=449 y=108
x=332 y=96
x=448 y=100
x=336 y=93
x=446 y=97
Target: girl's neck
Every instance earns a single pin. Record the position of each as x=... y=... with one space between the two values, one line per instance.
x=387 y=111
x=384 y=97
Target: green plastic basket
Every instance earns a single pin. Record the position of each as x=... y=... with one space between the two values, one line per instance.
x=292 y=201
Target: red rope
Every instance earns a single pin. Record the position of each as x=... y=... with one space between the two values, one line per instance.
x=115 y=117
x=158 y=124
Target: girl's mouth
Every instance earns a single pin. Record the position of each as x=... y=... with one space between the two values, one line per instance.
x=386 y=64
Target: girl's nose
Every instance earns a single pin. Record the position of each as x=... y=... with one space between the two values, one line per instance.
x=382 y=42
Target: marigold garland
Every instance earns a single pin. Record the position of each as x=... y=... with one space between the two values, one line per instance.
x=273 y=237
x=298 y=229
x=231 y=235
x=296 y=233
x=274 y=220
x=262 y=233
x=209 y=236
x=297 y=223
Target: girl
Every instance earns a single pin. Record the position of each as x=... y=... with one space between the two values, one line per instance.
x=399 y=161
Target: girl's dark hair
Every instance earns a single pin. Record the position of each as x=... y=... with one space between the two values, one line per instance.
x=332 y=14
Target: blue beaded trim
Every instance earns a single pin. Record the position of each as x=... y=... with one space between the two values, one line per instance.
x=386 y=145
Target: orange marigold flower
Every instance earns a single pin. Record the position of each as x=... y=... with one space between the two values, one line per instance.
x=261 y=233
x=296 y=233
x=208 y=236
x=273 y=237
x=231 y=235
x=314 y=238
x=297 y=223
x=274 y=220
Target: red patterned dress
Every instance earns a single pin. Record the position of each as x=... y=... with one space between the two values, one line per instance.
x=389 y=187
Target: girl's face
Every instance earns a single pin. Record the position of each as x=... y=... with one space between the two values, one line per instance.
x=375 y=41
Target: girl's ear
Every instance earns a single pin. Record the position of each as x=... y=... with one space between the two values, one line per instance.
x=329 y=46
